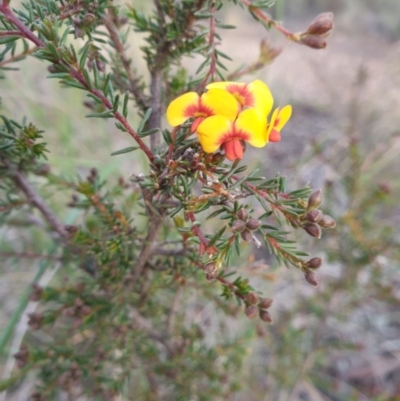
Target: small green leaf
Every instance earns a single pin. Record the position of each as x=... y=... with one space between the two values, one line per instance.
x=105 y=114
x=124 y=150
x=59 y=75
x=8 y=39
x=147 y=133
x=144 y=119
x=125 y=106
x=84 y=53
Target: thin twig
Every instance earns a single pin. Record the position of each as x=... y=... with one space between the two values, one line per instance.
x=268 y=20
x=36 y=200
x=18 y=56
x=141 y=100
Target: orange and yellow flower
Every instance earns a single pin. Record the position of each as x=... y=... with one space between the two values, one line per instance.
x=191 y=105
x=253 y=95
x=219 y=131
x=229 y=114
x=278 y=120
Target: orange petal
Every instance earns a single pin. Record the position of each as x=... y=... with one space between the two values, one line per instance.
x=182 y=108
x=274 y=135
x=233 y=149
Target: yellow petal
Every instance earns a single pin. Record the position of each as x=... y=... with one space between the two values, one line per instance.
x=220 y=102
x=251 y=123
x=263 y=99
x=180 y=109
x=212 y=132
x=284 y=115
x=271 y=125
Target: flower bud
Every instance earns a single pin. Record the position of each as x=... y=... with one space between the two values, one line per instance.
x=89 y=19
x=321 y=25
x=44 y=170
x=313 y=229
x=22 y=356
x=313 y=215
x=243 y=214
x=265 y=316
x=327 y=222
x=36 y=293
x=314 y=200
x=211 y=277
x=267 y=52
x=238 y=226
x=246 y=235
x=313 y=41
x=251 y=311
x=35 y=320
x=265 y=303
x=311 y=278
x=210 y=268
x=252 y=298
x=253 y=224
x=86 y=310
x=314 y=263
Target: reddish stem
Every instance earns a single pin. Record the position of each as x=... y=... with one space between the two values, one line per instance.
x=24 y=31
x=267 y=19
x=197 y=230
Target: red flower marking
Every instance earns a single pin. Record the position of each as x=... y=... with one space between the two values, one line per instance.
x=198 y=110
x=242 y=93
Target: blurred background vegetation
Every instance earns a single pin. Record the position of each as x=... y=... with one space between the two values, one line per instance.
x=341 y=341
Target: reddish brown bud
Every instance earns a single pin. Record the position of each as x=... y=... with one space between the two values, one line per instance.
x=311 y=278
x=313 y=41
x=71 y=229
x=327 y=222
x=51 y=68
x=86 y=310
x=238 y=226
x=265 y=303
x=78 y=303
x=22 y=356
x=210 y=268
x=211 y=277
x=251 y=311
x=313 y=215
x=252 y=298
x=35 y=320
x=314 y=263
x=37 y=293
x=44 y=170
x=265 y=316
x=89 y=19
x=253 y=224
x=321 y=25
x=246 y=235
x=314 y=200
x=70 y=312
x=313 y=229
x=243 y=214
